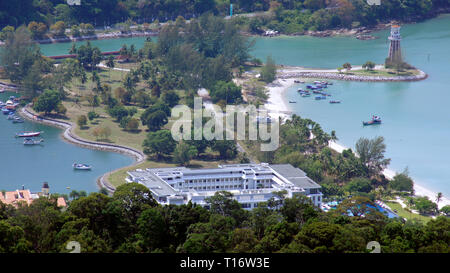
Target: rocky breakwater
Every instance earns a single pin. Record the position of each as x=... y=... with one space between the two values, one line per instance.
x=348 y=77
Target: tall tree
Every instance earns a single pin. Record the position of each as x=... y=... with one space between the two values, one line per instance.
x=19 y=54
x=371 y=152
x=184 y=152
x=159 y=143
x=269 y=70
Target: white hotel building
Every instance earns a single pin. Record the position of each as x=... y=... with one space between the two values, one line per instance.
x=250 y=184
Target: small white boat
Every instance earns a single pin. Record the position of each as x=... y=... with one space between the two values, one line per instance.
x=78 y=166
x=28 y=134
x=30 y=141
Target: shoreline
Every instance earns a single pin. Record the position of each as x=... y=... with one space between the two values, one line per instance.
x=361 y=33
x=70 y=137
x=101 y=36
x=288 y=72
x=278 y=101
x=419 y=190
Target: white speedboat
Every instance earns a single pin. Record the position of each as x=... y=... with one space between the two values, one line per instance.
x=78 y=166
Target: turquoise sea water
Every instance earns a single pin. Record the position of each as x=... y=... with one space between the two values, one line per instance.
x=104 y=45
x=416 y=115
x=51 y=162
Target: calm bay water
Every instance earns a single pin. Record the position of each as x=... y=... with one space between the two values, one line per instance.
x=51 y=162
x=104 y=45
x=416 y=115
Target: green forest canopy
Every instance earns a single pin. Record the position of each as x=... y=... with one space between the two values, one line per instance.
x=309 y=13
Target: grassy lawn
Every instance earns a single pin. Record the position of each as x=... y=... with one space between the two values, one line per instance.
x=118 y=135
x=405 y=214
x=75 y=109
x=77 y=105
x=118 y=178
x=127 y=65
x=111 y=77
x=4 y=78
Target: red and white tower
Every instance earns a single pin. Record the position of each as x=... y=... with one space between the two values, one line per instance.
x=395 y=52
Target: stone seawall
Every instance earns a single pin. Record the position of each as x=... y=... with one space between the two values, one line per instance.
x=69 y=136
x=100 y=36
x=345 y=77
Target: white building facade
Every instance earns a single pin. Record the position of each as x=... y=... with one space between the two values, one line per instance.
x=250 y=184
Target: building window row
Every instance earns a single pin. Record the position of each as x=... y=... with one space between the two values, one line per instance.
x=213 y=180
x=224 y=187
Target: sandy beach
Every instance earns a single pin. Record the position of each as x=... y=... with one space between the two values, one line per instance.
x=389 y=174
x=277 y=106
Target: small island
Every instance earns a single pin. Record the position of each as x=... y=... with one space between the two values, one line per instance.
x=394 y=68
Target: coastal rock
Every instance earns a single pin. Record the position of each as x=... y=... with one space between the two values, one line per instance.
x=366 y=37
x=345 y=77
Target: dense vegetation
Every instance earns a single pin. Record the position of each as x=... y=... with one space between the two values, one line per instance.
x=131 y=221
x=304 y=144
x=205 y=52
x=289 y=16
x=185 y=57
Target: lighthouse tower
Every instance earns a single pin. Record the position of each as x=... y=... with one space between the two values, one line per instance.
x=395 y=52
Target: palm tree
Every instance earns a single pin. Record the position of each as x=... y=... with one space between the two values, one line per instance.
x=439 y=197
x=73 y=49
x=76 y=102
x=95 y=78
x=333 y=135
x=347 y=66
x=110 y=64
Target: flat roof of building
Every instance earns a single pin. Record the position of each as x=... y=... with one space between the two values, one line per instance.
x=154 y=178
x=304 y=183
x=288 y=171
x=295 y=175
x=153 y=182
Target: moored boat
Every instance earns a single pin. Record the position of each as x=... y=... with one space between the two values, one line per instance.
x=30 y=141
x=335 y=101
x=28 y=134
x=375 y=120
x=292 y=101
x=17 y=120
x=78 y=166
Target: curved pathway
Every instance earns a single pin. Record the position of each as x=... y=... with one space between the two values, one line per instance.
x=69 y=136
